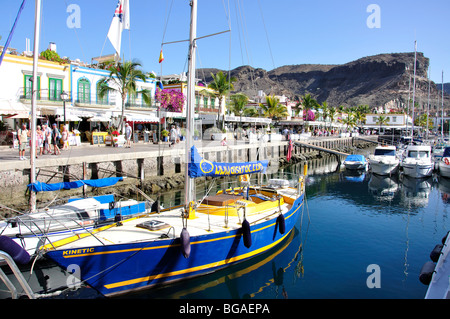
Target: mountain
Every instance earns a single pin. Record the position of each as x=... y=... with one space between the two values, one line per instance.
x=378 y=80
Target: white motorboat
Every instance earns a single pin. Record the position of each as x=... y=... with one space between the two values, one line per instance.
x=417 y=161
x=355 y=162
x=444 y=163
x=384 y=161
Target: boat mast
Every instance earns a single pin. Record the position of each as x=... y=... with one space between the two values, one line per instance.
x=442 y=108
x=37 y=23
x=429 y=89
x=189 y=191
x=414 y=87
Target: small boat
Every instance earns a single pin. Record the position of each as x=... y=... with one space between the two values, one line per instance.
x=355 y=162
x=384 y=161
x=436 y=273
x=78 y=216
x=417 y=161
x=212 y=233
x=444 y=163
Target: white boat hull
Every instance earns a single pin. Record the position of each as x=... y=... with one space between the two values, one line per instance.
x=355 y=165
x=417 y=170
x=381 y=168
x=444 y=169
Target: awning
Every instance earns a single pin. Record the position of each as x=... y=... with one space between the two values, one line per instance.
x=137 y=118
x=99 y=119
x=9 y=108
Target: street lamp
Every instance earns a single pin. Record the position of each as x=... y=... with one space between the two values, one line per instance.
x=64 y=97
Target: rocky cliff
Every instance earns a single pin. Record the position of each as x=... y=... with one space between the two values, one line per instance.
x=378 y=80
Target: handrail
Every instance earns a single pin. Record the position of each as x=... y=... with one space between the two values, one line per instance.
x=23 y=283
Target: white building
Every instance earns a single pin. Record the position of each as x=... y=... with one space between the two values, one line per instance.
x=16 y=88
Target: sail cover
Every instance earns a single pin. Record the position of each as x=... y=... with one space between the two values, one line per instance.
x=103 y=182
x=199 y=167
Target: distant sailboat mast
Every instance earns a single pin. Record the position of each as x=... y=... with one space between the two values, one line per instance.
x=442 y=108
x=414 y=86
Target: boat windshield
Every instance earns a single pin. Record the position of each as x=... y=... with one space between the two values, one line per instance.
x=385 y=152
x=418 y=154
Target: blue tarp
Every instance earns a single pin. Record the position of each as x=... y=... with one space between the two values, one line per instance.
x=199 y=167
x=43 y=187
x=355 y=158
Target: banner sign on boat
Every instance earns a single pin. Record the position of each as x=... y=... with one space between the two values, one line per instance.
x=199 y=167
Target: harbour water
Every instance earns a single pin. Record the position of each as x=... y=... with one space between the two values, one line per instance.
x=359 y=236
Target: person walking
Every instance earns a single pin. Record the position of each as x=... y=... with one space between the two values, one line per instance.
x=22 y=136
x=39 y=139
x=128 y=133
x=65 y=138
x=173 y=135
x=56 y=136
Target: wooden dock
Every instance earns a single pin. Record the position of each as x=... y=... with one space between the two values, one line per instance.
x=322 y=149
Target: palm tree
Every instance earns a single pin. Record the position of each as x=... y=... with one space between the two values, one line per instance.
x=332 y=111
x=238 y=103
x=123 y=79
x=382 y=120
x=308 y=103
x=324 y=107
x=222 y=86
x=273 y=108
x=349 y=121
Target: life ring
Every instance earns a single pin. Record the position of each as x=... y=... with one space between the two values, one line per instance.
x=244 y=178
x=446 y=161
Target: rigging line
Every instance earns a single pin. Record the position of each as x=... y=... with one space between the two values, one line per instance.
x=239 y=32
x=268 y=41
x=167 y=22
x=244 y=32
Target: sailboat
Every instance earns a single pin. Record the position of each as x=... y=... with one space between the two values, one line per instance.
x=31 y=230
x=198 y=238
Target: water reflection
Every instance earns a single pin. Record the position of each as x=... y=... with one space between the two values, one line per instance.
x=416 y=191
x=360 y=217
x=383 y=188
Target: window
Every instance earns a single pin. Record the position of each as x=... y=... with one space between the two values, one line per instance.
x=84 y=91
x=104 y=99
x=28 y=86
x=213 y=103
x=54 y=89
x=205 y=102
x=394 y=119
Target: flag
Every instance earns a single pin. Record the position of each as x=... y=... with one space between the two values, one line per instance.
x=120 y=21
x=290 y=149
x=161 y=57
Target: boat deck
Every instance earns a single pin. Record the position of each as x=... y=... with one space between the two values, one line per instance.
x=168 y=224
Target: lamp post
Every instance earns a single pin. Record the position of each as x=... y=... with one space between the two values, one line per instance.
x=64 y=97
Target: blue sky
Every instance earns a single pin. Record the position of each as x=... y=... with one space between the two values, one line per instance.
x=298 y=31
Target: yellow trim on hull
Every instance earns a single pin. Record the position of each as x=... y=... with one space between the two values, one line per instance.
x=189 y=270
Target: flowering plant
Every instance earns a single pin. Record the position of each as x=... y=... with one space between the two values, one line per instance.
x=115 y=133
x=309 y=116
x=170 y=99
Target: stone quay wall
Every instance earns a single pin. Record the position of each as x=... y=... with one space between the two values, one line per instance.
x=153 y=170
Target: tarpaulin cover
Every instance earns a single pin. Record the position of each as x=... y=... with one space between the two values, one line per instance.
x=103 y=182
